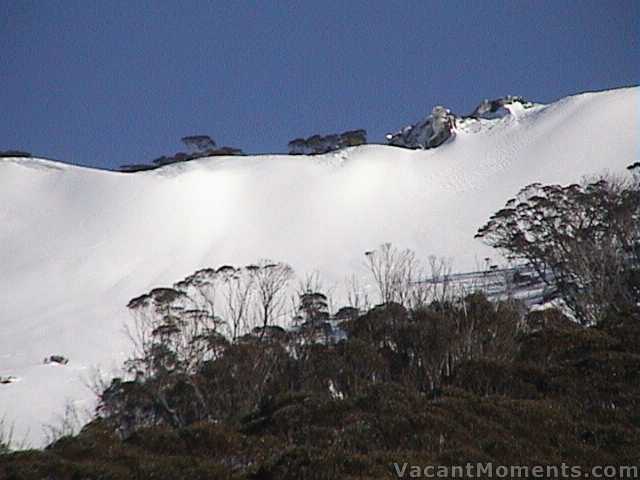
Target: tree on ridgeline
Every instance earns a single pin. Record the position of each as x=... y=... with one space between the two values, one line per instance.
x=353 y=138
x=199 y=143
x=319 y=144
x=297 y=146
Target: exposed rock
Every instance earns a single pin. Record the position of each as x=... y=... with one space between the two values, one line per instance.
x=59 y=359
x=439 y=127
x=500 y=107
x=431 y=132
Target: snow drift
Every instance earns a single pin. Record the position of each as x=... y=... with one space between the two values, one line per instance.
x=76 y=243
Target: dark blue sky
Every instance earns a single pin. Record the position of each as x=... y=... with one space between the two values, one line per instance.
x=104 y=83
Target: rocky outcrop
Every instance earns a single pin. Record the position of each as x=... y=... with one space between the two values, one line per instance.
x=440 y=125
x=59 y=359
x=500 y=107
x=431 y=132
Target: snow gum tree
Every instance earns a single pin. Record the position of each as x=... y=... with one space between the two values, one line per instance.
x=178 y=332
x=581 y=239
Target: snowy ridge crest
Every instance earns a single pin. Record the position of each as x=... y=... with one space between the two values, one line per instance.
x=440 y=125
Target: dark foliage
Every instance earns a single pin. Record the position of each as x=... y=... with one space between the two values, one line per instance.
x=454 y=381
x=200 y=146
x=582 y=240
x=561 y=393
x=318 y=144
x=14 y=153
x=199 y=143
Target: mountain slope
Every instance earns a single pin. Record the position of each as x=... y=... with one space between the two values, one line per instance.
x=76 y=244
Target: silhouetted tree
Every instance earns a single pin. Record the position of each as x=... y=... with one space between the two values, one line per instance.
x=583 y=240
x=199 y=143
x=271 y=282
x=353 y=138
x=297 y=146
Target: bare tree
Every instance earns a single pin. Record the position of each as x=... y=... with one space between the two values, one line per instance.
x=396 y=274
x=442 y=288
x=6 y=436
x=271 y=282
x=357 y=296
x=238 y=287
x=401 y=277
x=68 y=423
x=392 y=271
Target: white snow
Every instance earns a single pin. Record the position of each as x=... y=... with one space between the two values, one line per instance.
x=76 y=243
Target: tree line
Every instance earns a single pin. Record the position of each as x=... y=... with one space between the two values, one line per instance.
x=199 y=146
x=424 y=370
x=583 y=240
x=319 y=144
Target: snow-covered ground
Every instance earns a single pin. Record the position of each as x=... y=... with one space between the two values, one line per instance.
x=76 y=244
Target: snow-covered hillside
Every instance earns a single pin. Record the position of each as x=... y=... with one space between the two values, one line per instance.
x=76 y=244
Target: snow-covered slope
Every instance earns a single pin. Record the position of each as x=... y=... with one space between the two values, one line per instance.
x=76 y=244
